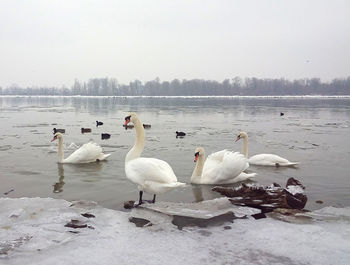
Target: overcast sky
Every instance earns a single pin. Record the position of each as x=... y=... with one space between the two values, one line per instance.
x=50 y=43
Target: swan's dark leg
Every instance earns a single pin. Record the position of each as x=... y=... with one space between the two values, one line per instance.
x=151 y=201
x=140 y=197
x=141 y=201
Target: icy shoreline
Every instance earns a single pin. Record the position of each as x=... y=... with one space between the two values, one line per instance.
x=33 y=231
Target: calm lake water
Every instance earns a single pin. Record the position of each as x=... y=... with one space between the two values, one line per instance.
x=313 y=131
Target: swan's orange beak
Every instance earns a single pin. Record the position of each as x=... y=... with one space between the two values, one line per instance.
x=238 y=137
x=127 y=120
x=54 y=138
x=196 y=155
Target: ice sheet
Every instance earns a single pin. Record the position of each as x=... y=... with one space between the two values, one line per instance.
x=32 y=231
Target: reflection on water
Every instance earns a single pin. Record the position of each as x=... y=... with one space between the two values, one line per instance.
x=89 y=171
x=89 y=168
x=197 y=193
x=105 y=105
x=58 y=186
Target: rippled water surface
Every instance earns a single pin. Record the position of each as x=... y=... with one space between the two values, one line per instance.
x=314 y=131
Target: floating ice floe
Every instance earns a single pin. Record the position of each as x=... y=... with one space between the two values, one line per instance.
x=35 y=231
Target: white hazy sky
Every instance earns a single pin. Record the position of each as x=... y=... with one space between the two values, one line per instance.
x=51 y=42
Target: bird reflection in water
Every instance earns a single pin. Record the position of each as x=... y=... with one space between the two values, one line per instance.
x=203 y=192
x=89 y=171
x=58 y=186
x=197 y=193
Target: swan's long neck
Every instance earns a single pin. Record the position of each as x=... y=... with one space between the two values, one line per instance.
x=198 y=170
x=60 y=150
x=245 y=146
x=137 y=149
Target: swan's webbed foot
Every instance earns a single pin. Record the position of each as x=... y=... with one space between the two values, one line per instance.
x=137 y=204
x=151 y=201
x=143 y=201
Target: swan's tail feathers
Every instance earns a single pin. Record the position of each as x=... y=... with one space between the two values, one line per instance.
x=179 y=184
x=103 y=156
x=157 y=187
x=173 y=185
x=289 y=164
x=249 y=175
x=244 y=176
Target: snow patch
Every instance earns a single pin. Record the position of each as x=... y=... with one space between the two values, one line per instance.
x=293 y=189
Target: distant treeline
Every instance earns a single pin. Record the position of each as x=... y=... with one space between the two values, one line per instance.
x=195 y=87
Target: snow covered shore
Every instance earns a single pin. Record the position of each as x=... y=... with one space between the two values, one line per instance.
x=34 y=231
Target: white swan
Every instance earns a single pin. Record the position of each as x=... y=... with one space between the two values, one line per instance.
x=263 y=159
x=150 y=174
x=89 y=152
x=223 y=167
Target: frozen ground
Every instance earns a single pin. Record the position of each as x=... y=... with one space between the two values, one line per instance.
x=33 y=231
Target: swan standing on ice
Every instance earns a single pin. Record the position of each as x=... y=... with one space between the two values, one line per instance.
x=89 y=152
x=223 y=167
x=151 y=175
x=263 y=159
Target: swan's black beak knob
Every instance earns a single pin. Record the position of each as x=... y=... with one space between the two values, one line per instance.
x=196 y=155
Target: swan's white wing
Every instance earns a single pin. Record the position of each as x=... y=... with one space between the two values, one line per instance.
x=218 y=156
x=270 y=160
x=216 y=171
x=144 y=169
x=89 y=152
x=214 y=161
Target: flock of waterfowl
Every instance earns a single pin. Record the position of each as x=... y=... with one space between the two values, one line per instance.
x=156 y=176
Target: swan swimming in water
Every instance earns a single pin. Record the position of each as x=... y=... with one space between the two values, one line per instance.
x=87 y=153
x=263 y=159
x=151 y=175
x=222 y=167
